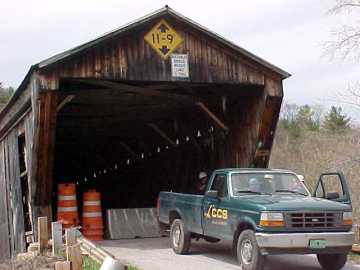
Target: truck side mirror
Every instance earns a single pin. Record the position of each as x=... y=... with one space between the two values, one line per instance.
x=332 y=195
x=212 y=193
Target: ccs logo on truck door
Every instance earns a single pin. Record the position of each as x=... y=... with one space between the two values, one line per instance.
x=218 y=213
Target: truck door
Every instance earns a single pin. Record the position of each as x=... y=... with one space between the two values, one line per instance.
x=333 y=186
x=215 y=208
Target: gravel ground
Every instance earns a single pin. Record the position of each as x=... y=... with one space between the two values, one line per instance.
x=28 y=262
x=155 y=254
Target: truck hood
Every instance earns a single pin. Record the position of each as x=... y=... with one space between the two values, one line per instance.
x=292 y=203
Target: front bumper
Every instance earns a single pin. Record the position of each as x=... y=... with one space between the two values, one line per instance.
x=279 y=243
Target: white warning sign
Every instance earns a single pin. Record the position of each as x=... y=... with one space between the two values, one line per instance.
x=180 y=65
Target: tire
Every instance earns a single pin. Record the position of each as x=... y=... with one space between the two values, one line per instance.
x=332 y=261
x=248 y=253
x=211 y=239
x=180 y=239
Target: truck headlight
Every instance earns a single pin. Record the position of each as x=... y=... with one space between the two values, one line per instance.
x=272 y=219
x=347 y=218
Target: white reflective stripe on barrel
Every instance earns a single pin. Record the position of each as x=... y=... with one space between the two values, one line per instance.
x=67 y=198
x=91 y=203
x=92 y=214
x=67 y=209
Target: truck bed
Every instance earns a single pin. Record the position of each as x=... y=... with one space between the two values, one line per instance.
x=182 y=202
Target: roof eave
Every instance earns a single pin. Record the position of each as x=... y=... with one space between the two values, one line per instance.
x=151 y=16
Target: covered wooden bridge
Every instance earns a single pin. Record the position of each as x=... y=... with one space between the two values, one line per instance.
x=141 y=109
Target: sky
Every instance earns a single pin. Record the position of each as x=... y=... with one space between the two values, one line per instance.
x=288 y=33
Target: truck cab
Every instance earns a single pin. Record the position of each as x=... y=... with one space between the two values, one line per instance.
x=265 y=212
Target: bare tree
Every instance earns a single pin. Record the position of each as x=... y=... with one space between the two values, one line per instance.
x=345 y=44
x=345 y=41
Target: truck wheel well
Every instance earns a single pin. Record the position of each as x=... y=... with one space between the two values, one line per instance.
x=173 y=215
x=241 y=227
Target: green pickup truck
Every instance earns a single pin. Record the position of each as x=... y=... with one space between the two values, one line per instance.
x=264 y=212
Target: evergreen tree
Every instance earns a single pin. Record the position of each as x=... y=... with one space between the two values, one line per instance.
x=5 y=94
x=336 y=120
x=307 y=119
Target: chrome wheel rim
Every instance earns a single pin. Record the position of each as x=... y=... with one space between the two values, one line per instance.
x=246 y=251
x=176 y=236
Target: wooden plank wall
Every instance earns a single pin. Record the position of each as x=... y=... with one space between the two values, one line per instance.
x=13 y=173
x=4 y=218
x=13 y=194
x=12 y=232
x=129 y=57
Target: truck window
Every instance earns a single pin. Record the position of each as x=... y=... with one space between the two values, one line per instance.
x=331 y=184
x=220 y=185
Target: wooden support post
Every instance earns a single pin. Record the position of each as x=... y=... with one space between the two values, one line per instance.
x=43 y=234
x=56 y=234
x=212 y=116
x=162 y=134
x=62 y=266
x=70 y=237
x=46 y=129
x=74 y=256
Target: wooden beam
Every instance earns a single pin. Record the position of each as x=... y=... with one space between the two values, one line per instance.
x=64 y=102
x=140 y=90
x=57 y=243
x=129 y=150
x=266 y=133
x=63 y=265
x=45 y=153
x=74 y=256
x=43 y=234
x=162 y=134
x=212 y=116
x=70 y=237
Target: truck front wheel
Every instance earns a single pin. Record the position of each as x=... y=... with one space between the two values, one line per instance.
x=332 y=261
x=247 y=251
x=180 y=239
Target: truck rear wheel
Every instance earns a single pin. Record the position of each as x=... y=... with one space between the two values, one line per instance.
x=180 y=239
x=332 y=261
x=247 y=251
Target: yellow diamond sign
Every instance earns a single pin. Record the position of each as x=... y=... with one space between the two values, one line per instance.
x=163 y=39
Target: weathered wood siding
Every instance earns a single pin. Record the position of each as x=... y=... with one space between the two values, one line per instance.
x=4 y=218
x=12 y=233
x=129 y=57
x=13 y=194
x=14 y=121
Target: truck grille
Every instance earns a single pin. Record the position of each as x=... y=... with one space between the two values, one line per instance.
x=312 y=220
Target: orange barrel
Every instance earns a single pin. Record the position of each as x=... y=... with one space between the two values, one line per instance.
x=67 y=211
x=92 y=222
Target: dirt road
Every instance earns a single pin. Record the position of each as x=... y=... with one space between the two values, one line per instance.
x=155 y=254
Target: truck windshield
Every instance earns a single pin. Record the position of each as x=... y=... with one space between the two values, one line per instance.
x=266 y=183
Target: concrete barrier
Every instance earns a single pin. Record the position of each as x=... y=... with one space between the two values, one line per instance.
x=132 y=223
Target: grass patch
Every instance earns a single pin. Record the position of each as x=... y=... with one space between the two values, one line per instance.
x=354 y=258
x=90 y=264
x=130 y=267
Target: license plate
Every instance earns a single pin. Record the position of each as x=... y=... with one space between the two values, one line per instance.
x=317 y=243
